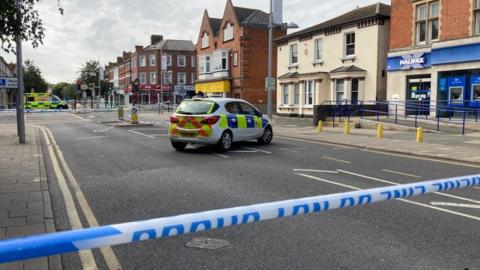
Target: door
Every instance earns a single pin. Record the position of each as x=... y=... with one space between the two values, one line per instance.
x=418 y=96
x=233 y=113
x=247 y=121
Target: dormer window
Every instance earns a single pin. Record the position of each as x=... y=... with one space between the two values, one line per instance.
x=205 y=40
x=228 y=32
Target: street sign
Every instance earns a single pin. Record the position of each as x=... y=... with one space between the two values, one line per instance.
x=269 y=84
x=8 y=82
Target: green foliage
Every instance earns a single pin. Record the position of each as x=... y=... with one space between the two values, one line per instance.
x=33 y=79
x=65 y=90
x=89 y=76
x=24 y=22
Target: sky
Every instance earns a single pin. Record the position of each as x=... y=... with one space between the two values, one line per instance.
x=102 y=29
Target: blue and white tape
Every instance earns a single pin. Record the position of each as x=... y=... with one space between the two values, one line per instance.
x=70 y=241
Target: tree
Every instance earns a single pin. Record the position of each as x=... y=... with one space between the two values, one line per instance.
x=65 y=90
x=33 y=79
x=89 y=76
x=28 y=25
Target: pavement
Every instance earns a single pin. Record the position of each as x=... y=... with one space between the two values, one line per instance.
x=133 y=173
x=25 y=207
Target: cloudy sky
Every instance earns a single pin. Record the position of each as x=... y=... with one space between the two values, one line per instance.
x=102 y=29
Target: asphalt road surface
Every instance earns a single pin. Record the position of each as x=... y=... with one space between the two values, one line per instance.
x=129 y=174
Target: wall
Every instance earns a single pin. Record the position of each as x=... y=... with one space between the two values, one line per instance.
x=401 y=24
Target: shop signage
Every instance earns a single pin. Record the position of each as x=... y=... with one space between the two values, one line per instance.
x=8 y=82
x=412 y=61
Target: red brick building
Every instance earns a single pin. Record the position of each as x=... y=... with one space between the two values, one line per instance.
x=232 y=53
x=434 y=56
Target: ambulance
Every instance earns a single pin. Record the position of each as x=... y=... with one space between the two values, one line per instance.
x=44 y=101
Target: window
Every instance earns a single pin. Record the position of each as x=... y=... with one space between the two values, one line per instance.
x=143 y=60
x=340 y=90
x=228 y=32
x=181 y=78
x=296 y=93
x=309 y=91
x=293 y=54
x=167 y=77
x=205 y=40
x=246 y=109
x=232 y=107
x=476 y=16
x=193 y=77
x=207 y=64
x=427 y=22
x=204 y=64
x=193 y=61
x=224 y=60
x=181 y=60
x=354 y=91
x=350 y=44
x=220 y=60
x=318 y=49
x=153 y=77
x=153 y=60
x=169 y=60
x=143 y=77
x=235 y=58
x=285 y=94
x=134 y=62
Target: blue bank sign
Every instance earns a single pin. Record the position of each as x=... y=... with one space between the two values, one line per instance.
x=409 y=61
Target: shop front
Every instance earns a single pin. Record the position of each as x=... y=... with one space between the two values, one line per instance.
x=446 y=75
x=214 y=88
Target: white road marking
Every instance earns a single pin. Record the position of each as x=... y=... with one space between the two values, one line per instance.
x=219 y=155
x=156 y=129
x=394 y=183
x=463 y=205
x=336 y=159
x=242 y=151
x=86 y=256
x=288 y=150
x=402 y=173
x=90 y=138
x=402 y=200
x=139 y=133
x=107 y=252
x=78 y=117
x=159 y=135
x=103 y=130
x=259 y=150
x=310 y=170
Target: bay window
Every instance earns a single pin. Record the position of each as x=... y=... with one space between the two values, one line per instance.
x=285 y=94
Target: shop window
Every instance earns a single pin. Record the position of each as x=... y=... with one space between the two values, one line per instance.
x=285 y=94
x=296 y=93
x=340 y=90
x=476 y=15
x=476 y=92
x=350 y=44
x=309 y=92
x=293 y=54
x=354 y=91
x=427 y=22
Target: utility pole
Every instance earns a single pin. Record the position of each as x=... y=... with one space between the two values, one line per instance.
x=20 y=111
x=269 y=76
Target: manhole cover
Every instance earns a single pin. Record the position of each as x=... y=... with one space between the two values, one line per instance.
x=206 y=243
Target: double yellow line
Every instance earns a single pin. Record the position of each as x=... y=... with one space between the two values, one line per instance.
x=58 y=162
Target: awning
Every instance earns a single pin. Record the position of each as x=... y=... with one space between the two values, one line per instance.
x=213 y=87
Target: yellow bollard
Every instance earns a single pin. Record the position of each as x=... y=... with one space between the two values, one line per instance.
x=380 y=131
x=320 y=126
x=346 y=128
x=419 y=135
x=134 y=116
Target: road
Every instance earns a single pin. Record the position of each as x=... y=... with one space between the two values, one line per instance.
x=129 y=174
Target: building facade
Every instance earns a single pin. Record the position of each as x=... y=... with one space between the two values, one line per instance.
x=7 y=95
x=232 y=53
x=434 y=57
x=342 y=60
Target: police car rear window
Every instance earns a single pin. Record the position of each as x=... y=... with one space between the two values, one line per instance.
x=195 y=107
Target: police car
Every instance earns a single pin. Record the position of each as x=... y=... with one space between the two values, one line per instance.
x=219 y=121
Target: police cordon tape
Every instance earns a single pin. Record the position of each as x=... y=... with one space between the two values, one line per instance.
x=71 y=241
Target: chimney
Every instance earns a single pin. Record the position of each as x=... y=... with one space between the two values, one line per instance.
x=138 y=48
x=154 y=39
x=124 y=55
x=119 y=59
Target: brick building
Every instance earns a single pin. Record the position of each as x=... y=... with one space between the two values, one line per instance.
x=232 y=53
x=7 y=95
x=434 y=57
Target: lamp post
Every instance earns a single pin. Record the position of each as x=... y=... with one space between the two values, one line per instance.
x=270 y=51
x=20 y=92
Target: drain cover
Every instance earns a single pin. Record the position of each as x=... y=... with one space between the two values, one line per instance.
x=207 y=243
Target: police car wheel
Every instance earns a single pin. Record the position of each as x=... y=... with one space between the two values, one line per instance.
x=179 y=146
x=225 y=142
x=267 y=135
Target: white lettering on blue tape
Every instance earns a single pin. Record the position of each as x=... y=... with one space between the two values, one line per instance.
x=70 y=241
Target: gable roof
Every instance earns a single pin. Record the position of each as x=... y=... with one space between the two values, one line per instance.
x=249 y=16
x=173 y=45
x=351 y=17
x=215 y=23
